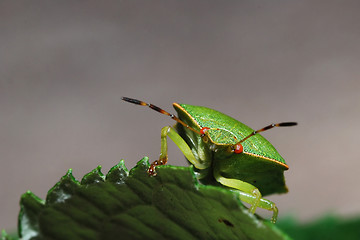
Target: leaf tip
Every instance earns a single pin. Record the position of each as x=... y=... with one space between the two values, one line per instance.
x=95 y=176
x=118 y=173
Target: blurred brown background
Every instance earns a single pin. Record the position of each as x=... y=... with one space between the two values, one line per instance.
x=65 y=64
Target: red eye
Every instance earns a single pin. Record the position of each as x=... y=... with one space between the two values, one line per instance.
x=238 y=148
x=203 y=130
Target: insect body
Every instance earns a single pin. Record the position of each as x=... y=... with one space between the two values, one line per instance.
x=227 y=150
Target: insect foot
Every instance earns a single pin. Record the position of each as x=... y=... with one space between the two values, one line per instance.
x=151 y=171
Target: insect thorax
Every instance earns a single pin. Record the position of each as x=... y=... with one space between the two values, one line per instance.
x=220 y=136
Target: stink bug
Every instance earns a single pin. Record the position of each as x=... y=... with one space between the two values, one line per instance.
x=227 y=151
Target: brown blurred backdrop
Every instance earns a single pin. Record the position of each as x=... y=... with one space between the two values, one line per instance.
x=65 y=64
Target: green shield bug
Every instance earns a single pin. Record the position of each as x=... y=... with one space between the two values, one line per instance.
x=227 y=151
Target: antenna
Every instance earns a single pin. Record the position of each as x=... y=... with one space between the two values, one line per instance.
x=283 y=124
x=160 y=110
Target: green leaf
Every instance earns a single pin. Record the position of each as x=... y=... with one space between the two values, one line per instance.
x=328 y=227
x=133 y=205
x=6 y=236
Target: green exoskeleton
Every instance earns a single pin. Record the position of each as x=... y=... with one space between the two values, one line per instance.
x=226 y=150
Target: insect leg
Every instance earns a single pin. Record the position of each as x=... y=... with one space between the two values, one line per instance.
x=263 y=203
x=243 y=187
x=179 y=141
x=249 y=194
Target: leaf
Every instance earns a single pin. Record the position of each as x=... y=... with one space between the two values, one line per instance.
x=328 y=227
x=5 y=236
x=133 y=205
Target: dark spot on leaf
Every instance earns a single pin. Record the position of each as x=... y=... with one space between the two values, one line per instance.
x=227 y=222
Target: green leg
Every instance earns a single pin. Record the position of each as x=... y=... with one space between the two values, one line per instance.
x=249 y=194
x=179 y=141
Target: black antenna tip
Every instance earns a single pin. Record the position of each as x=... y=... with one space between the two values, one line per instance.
x=134 y=101
x=125 y=99
x=287 y=124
